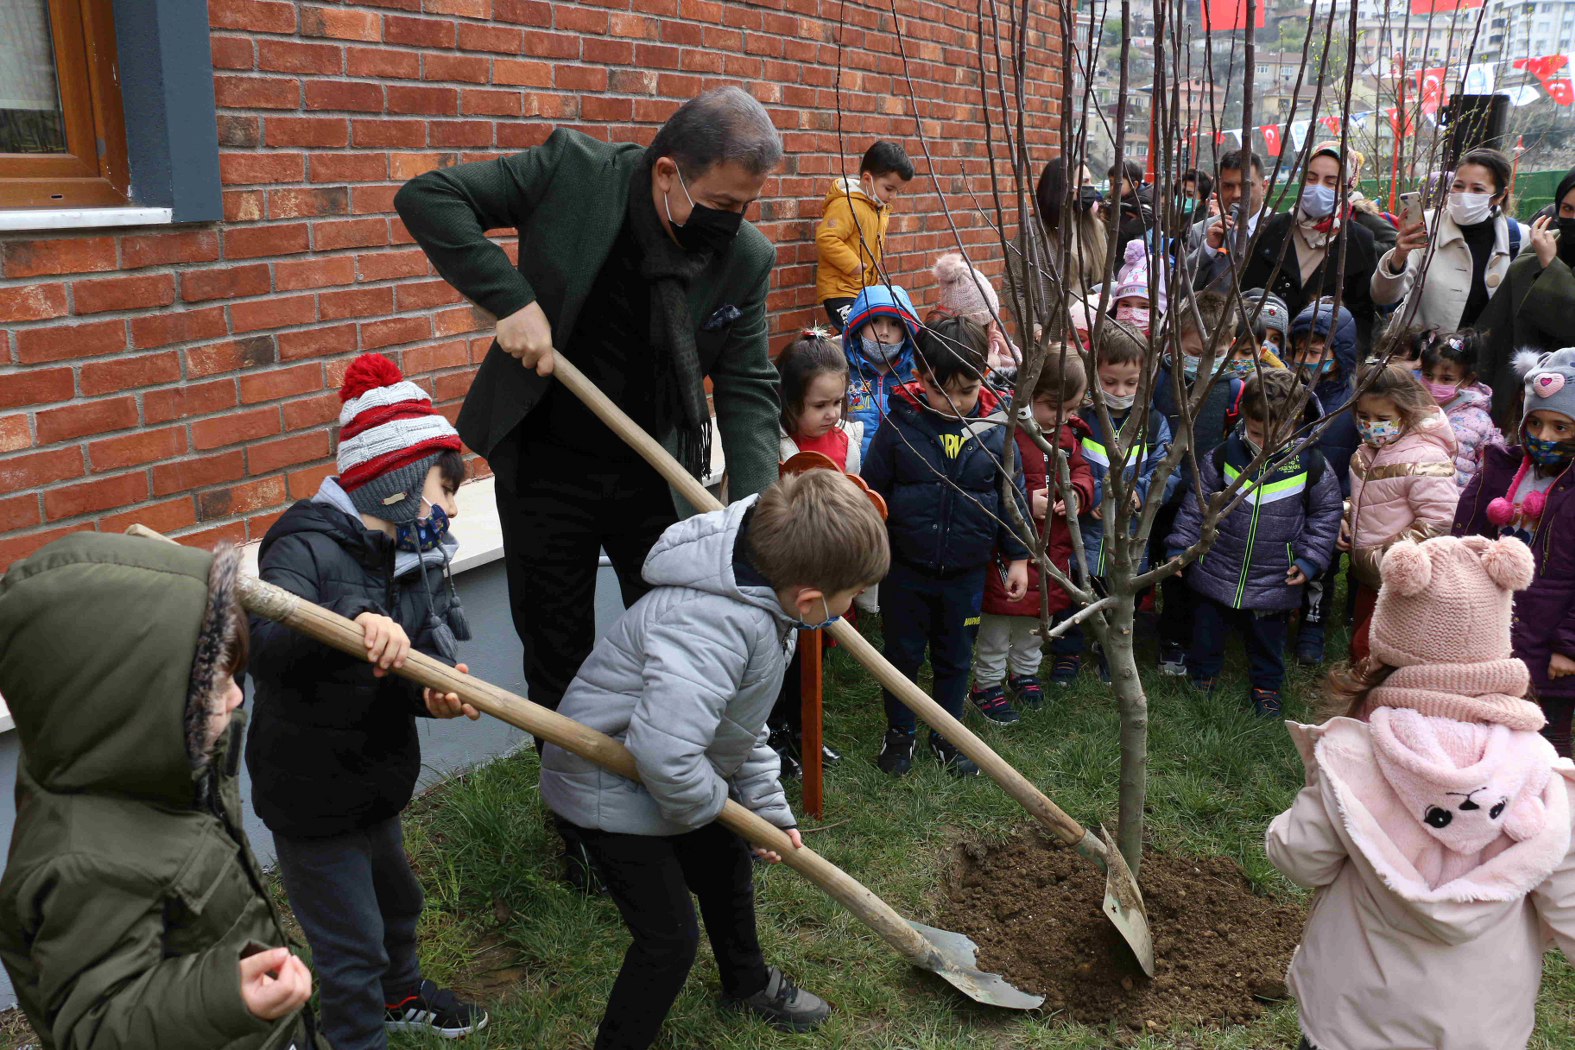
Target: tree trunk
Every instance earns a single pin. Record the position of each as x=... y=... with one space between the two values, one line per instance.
x=1133 y=705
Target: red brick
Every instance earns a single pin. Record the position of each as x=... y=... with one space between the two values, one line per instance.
x=37 y=469
x=269 y=456
x=314 y=132
x=188 y=401
x=207 y=539
x=233 y=428
x=311 y=411
x=280 y=383
x=164 y=517
x=410 y=99
x=341 y=25
x=356 y=302
x=14 y=548
x=293 y=274
x=552 y=107
x=490 y=103
x=423 y=359
x=259 y=169
x=231 y=282
x=460 y=134
x=580 y=78
x=169 y=249
x=32 y=302
x=384 y=266
x=273 y=312
x=303 y=484
x=523 y=12
x=70 y=341
x=500 y=39
x=581 y=20
x=372 y=200
x=322 y=341
x=46 y=258
x=168 y=327
x=469 y=69
x=36 y=386
x=294 y=56
x=396 y=330
x=552 y=45
x=86 y=417
x=124 y=293
x=454 y=386
x=297 y=203
x=197 y=473
x=349 y=167
x=239 y=132
x=522 y=73
x=240 y=499
x=256 y=93
x=608 y=52
x=15 y=434
x=259 y=16
x=136 y=449
x=70 y=501
x=593 y=107
x=382 y=62
x=243 y=205
x=130 y=373
x=19 y=512
x=460 y=8
x=382 y=134
x=233 y=52
x=346 y=95
x=232 y=355
x=425 y=295
x=352 y=233
x=418 y=32
x=405 y=166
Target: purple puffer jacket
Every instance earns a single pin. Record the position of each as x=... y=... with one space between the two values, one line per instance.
x=1471 y=415
x=1545 y=611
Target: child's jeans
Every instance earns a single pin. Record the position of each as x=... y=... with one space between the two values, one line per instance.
x=650 y=878
x=1006 y=642
x=358 y=903
x=922 y=612
x=1262 y=631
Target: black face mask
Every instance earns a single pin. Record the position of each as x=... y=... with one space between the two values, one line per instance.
x=1087 y=197
x=708 y=230
x=1567 y=241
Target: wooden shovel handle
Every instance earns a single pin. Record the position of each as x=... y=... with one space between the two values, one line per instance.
x=275 y=603
x=1062 y=826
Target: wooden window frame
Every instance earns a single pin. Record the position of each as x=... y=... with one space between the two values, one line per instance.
x=94 y=172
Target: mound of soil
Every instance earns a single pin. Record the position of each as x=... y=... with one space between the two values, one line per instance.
x=1033 y=908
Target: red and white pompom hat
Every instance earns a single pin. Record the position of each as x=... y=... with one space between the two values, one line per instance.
x=390 y=436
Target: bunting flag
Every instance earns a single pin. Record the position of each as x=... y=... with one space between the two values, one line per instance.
x=1524 y=95
x=1332 y=123
x=1271 y=139
x=1480 y=78
x=1299 y=129
x=1430 y=83
x=1224 y=16
x=1439 y=7
x=1551 y=72
x=1359 y=120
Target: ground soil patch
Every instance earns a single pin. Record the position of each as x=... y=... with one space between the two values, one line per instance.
x=1034 y=910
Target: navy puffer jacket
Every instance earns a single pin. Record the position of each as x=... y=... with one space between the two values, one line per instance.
x=918 y=462
x=1334 y=387
x=1291 y=518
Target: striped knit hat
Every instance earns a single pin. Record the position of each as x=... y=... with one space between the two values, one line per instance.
x=389 y=437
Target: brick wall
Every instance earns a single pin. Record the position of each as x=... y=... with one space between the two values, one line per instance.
x=185 y=377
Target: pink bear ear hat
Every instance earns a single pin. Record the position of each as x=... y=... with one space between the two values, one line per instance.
x=1550 y=385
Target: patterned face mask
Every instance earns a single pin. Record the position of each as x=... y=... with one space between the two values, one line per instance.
x=1380 y=431
x=827 y=622
x=1548 y=453
x=424 y=534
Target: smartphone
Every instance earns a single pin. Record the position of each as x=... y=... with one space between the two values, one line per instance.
x=1411 y=209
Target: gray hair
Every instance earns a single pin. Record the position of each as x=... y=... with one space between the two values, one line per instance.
x=724 y=125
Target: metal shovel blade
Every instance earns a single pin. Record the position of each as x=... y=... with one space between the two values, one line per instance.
x=959 y=965
x=1124 y=905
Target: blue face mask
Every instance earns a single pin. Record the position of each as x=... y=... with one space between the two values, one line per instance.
x=1317 y=371
x=1548 y=453
x=1190 y=365
x=827 y=622
x=879 y=353
x=1318 y=201
x=422 y=535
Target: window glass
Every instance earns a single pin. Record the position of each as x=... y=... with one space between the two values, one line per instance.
x=31 y=117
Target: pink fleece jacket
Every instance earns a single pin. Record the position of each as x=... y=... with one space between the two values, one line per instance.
x=1470 y=414
x=1403 y=490
x=1440 y=853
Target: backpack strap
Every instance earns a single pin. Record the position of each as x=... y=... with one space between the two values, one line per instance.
x=1514 y=238
x=1316 y=465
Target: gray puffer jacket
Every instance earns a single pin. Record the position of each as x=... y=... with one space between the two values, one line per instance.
x=685 y=680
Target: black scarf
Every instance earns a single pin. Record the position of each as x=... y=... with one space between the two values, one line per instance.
x=680 y=383
x=1566 y=249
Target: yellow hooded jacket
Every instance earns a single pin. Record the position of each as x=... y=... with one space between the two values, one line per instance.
x=849 y=241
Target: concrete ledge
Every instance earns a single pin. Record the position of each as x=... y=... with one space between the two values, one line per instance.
x=83 y=218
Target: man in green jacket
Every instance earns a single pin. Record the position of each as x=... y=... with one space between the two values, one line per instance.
x=132 y=912
x=635 y=263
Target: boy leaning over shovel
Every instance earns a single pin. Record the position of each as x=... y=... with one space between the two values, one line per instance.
x=686 y=680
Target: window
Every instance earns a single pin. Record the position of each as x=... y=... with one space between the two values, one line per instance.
x=59 y=100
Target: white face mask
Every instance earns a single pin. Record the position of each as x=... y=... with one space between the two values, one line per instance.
x=1118 y=404
x=869 y=191
x=1468 y=209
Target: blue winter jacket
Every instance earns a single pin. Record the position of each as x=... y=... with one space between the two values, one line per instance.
x=1292 y=518
x=918 y=462
x=1209 y=427
x=1141 y=463
x=1335 y=387
x=870 y=389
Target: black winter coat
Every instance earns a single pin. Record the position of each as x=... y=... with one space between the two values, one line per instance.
x=918 y=461
x=1361 y=259
x=334 y=748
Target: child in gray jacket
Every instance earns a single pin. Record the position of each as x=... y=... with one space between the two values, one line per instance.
x=685 y=680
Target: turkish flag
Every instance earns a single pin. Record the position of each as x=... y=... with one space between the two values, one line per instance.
x=1394 y=124
x=1332 y=123
x=1271 y=139
x=1434 y=95
x=1220 y=16
x=1549 y=69
x=1433 y=7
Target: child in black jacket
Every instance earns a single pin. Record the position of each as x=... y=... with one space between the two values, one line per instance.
x=334 y=753
x=936 y=460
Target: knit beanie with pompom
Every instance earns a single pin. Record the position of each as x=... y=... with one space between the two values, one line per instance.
x=1133 y=278
x=1443 y=621
x=965 y=291
x=390 y=436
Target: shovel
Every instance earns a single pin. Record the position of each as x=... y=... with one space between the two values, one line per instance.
x=950 y=955
x=1123 y=903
